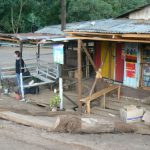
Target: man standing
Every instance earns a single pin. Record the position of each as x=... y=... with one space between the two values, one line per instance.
x=19 y=70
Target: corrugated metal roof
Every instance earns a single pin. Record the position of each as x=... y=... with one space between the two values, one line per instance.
x=34 y=36
x=45 y=38
x=62 y=39
x=56 y=29
x=38 y=37
x=112 y=26
x=53 y=29
x=131 y=11
x=102 y=26
x=30 y=36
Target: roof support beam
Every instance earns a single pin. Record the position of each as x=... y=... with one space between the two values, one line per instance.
x=8 y=39
x=110 y=39
x=136 y=35
x=91 y=33
x=107 y=35
x=89 y=57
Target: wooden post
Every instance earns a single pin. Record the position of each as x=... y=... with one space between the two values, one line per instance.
x=111 y=54
x=21 y=76
x=63 y=14
x=79 y=74
x=21 y=49
x=119 y=90
x=109 y=49
x=88 y=108
x=104 y=101
x=87 y=68
x=141 y=67
x=38 y=56
x=90 y=58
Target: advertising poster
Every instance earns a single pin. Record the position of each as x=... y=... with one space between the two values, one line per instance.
x=130 y=69
x=58 y=53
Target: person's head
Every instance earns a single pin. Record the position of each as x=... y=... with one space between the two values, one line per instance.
x=17 y=53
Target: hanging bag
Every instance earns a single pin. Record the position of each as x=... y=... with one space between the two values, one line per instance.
x=26 y=72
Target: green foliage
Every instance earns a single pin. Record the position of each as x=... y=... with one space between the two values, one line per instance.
x=88 y=10
x=20 y=15
x=128 y=5
x=54 y=101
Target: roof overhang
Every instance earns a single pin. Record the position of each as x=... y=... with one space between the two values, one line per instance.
x=125 y=37
x=43 y=39
x=22 y=38
x=56 y=40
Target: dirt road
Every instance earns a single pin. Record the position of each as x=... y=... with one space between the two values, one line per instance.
x=16 y=137
x=7 y=54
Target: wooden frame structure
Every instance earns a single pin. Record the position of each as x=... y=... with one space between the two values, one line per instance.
x=81 y=36
x=135 y=38
x=91 y=36
x=45 y=75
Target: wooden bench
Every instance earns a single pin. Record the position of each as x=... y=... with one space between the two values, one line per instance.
x=103 y=93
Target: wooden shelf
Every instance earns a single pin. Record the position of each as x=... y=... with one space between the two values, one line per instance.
x=145 y=62
x=146 y=88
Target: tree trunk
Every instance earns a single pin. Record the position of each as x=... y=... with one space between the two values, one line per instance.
x=12 y=20
x=75 y=124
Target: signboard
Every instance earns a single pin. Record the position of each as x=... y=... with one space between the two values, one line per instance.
x=130 y=69
x=131 y=53
x=132 y=65
x=58 y=53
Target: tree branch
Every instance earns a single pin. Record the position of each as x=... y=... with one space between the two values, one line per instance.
x=12 y=20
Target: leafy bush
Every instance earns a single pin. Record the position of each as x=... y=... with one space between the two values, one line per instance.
x=54 y=101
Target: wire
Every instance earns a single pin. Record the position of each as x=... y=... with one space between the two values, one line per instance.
x=75 y=68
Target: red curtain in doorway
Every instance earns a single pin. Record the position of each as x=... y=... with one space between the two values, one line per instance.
x=119 y=62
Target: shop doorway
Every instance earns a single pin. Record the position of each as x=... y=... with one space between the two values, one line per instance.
x=119 y=62
x=132 y=65
x=145 y=71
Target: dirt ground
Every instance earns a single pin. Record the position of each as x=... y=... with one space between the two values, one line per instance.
x=15 y=137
